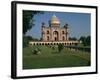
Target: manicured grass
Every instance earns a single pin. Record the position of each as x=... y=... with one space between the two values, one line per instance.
x=51 y=58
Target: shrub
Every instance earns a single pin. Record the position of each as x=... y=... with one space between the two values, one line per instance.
x=35 y=51
x=53 y=47
x=60 y=47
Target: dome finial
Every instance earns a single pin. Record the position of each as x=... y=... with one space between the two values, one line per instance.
x=54 y=15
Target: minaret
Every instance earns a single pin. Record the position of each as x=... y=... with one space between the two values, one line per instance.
x=66 y=26
x=42 y=29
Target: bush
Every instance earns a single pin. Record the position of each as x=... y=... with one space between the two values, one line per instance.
x=36 y=51
x=60 y=47
x=53 y=47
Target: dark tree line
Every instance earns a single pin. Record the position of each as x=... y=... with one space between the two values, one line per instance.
x=73 y=38
x=26 y=40
x=86 y=41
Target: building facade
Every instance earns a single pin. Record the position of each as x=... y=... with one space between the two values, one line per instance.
x=54 y=34
x=54 y=31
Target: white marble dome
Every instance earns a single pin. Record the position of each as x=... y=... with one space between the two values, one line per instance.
x=54 y=20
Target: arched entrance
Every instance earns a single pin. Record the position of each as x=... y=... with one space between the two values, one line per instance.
x=56 y=36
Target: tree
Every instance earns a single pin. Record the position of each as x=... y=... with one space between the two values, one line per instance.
x=28 y=23
x=26 y=40
x=72 y=38
x=28 y=19
x=86 y=41
x=83 y=39
x=60 y=47
x=35 y=39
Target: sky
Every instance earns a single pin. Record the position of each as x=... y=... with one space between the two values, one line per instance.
x=79 y=23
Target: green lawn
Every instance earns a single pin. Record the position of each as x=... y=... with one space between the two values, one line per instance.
x=50 y=58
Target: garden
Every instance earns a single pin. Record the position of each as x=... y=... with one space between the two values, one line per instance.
x=53 y=56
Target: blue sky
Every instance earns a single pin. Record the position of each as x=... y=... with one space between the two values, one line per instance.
x=79 y=23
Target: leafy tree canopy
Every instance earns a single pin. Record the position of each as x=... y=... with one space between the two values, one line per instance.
x=28 y=21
